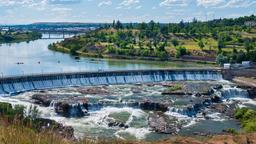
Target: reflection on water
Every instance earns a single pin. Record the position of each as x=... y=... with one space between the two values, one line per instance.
x=34 y=57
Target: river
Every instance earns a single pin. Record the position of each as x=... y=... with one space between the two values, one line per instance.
x=129 y=111
x=35 y=57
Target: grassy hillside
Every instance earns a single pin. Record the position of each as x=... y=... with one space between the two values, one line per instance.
x=10 y=37
x=193 y=41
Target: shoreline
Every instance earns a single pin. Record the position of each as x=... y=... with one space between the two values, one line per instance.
x=124 y=57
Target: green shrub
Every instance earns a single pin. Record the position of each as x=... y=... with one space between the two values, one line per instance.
x=175 y=87
x=181 y=51
x=248 y=118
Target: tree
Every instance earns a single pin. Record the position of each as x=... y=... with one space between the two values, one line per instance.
x=175 y=42
x=114 y=24
x=119 y=25
x=201 y=44
x=221 y=59
x=165 y=31
x=180 y=51
x=221 y=45
x=143 y=26
x=248 y=46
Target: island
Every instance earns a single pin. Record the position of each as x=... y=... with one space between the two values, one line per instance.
x=10 y=36
x=220 y=40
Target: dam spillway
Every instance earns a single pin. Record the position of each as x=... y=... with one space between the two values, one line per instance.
x=13 y=85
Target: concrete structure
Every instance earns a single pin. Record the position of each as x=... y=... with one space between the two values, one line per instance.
x=13 y=85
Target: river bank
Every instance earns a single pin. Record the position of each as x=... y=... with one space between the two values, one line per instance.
x=15 y=37
x=58 y=48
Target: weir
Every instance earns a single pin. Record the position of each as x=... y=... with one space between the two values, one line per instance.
x=14 y=85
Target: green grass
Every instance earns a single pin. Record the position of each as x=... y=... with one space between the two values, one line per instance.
x=175 y=87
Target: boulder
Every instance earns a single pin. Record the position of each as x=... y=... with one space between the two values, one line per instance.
x=77 y=108
x=93 y=90
x=252 y=92
x=154 y=106
x=161 y=123
x=117 y=124
x=226 y=109
x=42 y=99
x=65 y=105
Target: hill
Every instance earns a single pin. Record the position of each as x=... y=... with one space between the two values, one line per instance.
x=231 y=40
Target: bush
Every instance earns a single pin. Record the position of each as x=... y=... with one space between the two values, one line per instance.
x=175 y=87
x=221 y=59
x=181 y=51
x=248 y=118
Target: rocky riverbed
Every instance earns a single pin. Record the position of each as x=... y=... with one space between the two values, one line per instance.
x=141 y=111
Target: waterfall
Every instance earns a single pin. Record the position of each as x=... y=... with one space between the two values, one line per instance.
x=76 y=110
x=53 y=104
x=232 y=92
x=27 y=83
x=193 y=109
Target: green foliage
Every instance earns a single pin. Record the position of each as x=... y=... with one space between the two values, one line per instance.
x=7 y=110
x=180 y=51
x=9 y=37
x=216 y=37
x=231 y=131
x=248 y=118
x=175 y=42
x=221 y=59
x=175 y=87
x=33 y=112
x=201 y=44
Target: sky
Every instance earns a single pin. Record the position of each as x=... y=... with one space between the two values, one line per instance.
x=29 y=11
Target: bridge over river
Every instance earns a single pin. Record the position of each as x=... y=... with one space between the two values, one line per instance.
x=16 y=84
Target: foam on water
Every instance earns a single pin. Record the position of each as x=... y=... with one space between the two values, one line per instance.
x=139 y=133
x=98 y=120
x=216 y=117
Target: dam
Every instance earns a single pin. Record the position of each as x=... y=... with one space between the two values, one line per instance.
x=14 y=85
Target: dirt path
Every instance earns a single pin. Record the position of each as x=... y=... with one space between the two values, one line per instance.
x=245 y=81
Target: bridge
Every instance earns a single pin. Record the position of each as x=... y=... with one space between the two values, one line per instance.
x=17 y=84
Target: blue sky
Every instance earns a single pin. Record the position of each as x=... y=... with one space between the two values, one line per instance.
x=28 y=11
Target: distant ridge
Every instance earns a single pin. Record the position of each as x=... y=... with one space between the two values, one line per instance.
x=63 y=23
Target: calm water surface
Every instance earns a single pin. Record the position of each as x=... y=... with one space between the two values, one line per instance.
x=36 y=58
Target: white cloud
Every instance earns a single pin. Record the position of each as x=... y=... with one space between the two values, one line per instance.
x=226 y=3
x=129 y=2
x=36 y=4
x=105 y=3
x=239 y=3
x=208 y=3
x=170 y=3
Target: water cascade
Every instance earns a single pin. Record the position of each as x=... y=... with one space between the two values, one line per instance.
x=14 y=85
x=228 y=92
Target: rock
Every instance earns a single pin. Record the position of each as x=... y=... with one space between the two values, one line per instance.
x=155 y=106
x=78 y=108
x=168 y=92
x=93 y=90
x=198 y=95
x=215 y=99
x=252 y=92
x=117 y=124
x=217 y=87
x=226 y=109
x=43 y=99
x=65 y=105
x=161 y=123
